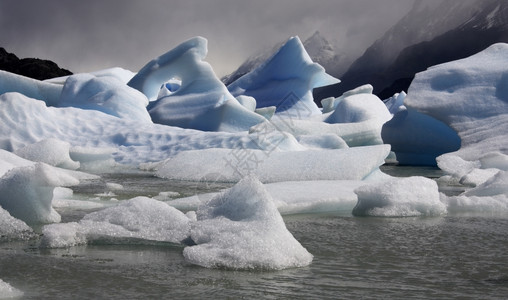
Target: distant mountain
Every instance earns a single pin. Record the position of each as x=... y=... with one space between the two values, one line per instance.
x=30 y=67
x=318 y=47
x=432 y=32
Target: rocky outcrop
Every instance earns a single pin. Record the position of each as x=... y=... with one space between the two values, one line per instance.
x=36 y=68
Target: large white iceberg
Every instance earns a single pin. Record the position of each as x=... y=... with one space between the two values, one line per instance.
x=242 y=229
x=471 y=96
x=285 y=81
x=201 y=101
x=231 y=165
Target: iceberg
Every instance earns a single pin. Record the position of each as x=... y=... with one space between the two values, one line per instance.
x=201 y=101
x=399 y=197
x=231 y=165
x=50 y=151
x=286 y=81
x=330 y=104
x=106 y=94
x=140 y=218
x=295 y=197
x=418 y=139
x=451 y=93
x=242 y=229
x=27 y=192
x=470 y=96
x=25 y=121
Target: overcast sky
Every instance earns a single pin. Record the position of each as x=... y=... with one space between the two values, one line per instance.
x=97 y=34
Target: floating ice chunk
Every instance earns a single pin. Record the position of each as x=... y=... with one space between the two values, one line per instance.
x=330 y=104
x=50 y=151
x=33 y=88
x=295 y=197
x=341 y=164
x=469 y=95
x=9 y=292
x=417 y=139
x=358 y=108
x=140 y=218
x=12 y=228
x=26 y=192
x=366 y=111
x=105 y=94
x=354 y=134
x=488 y=197
x=93 y=159
x=396 y=103
x=201 y=102
x=286 y=81
x=242 y=229
x=400 y=197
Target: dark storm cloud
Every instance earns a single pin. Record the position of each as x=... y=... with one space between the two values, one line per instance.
x=97 y=34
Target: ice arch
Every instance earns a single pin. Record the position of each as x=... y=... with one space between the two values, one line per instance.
x=201 y=102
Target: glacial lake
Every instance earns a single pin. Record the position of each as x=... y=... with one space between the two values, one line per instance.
x=454 y=256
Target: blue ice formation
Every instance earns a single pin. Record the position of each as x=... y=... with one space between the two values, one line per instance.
x=417 y=139
x=286 y=81
x=200 y=102
x=105 y=94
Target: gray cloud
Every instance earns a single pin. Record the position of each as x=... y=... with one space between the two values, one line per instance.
x=96 y=34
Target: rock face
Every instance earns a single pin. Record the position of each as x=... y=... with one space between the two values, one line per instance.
x=30 y=67
x=433 y=32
